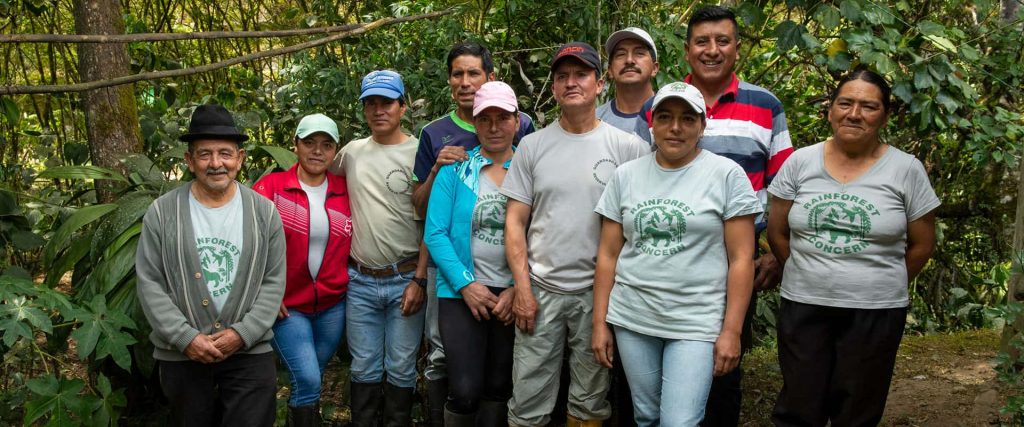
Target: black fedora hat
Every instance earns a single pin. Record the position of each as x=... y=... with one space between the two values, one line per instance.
x=213 y=122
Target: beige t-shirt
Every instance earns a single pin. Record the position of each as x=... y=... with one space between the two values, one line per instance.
x=380 y=192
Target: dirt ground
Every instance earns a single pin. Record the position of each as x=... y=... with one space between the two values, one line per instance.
x=940 y=380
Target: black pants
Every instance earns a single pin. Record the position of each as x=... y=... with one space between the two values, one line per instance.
x=836 y=363
x=240 y=391
x=725 y=399
x=479 y=355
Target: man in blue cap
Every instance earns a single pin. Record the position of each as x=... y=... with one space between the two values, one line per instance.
x=386 y=273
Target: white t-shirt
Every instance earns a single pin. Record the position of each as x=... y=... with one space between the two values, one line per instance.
x=218 y=234
x=670 y=279
x=561 y=176
x=319 y=227
x=848 y=242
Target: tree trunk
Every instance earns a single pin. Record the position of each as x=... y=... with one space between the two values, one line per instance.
x=111 y=116
x=1015 y=286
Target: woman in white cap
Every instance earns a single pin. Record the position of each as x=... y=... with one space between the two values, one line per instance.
x=674 y=265
x=314 y=210
x=465 y=233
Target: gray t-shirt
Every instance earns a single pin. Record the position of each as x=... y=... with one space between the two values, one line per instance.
x=670 y=279
x=488 y=245
x=218 y=234
x=319 y=227
x=848 y=242
x=635 y=123
x=561 y=176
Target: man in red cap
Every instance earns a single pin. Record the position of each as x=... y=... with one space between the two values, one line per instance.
x=553 y=185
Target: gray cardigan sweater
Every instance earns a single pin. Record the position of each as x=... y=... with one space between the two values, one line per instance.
x=171 y=287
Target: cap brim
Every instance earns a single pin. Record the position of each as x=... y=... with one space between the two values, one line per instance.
x=379 y=91
x=618 y=36
x=582 y=60
x=504 y=106
x=693 y=106
x=308 y=132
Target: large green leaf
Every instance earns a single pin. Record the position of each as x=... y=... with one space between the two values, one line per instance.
x=130 y=209
x=79 y=248
x=55 y=397
x=284 y=157
x=112 y=269
x=81 y=172
x=790 y=35
x=103 y=330
x=82 y=217
x=10 y=111
x=107 y=408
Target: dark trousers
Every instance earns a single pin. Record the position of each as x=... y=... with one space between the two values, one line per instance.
x=836 y=363
x=478 y=353
x=240 y=391
x=726 y=396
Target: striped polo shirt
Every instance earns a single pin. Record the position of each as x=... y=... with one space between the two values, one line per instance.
x=747 y=125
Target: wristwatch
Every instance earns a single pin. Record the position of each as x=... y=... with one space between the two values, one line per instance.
x=422 y=281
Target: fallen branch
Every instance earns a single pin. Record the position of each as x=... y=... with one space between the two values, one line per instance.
x=159 y=37
x=155 y=75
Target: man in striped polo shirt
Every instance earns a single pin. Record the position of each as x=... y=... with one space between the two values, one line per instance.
x=744 y=123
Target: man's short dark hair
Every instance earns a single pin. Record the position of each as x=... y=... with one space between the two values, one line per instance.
x=471 y=49
x=712 y=14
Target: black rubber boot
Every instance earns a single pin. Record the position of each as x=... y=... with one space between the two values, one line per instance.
x=492 y=414
x=303 y=416
x=398 y=405
x=452 y=419
x=437 y=396
x=366 y=400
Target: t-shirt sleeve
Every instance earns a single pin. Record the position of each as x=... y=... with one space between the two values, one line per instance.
x=608 y=205
x=425 y=157
x=518 y=183
x=920 y=198
x=781 y=146
x=740 y=198
x=636 y=149
x=784 y=186
x=526 y=125
x=338 y=164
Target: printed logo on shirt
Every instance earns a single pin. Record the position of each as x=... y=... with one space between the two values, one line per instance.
x=660 y=225
x=217 y=258
x=399 y=181
x=840 y=222
x=603 y=170
x=489 y=214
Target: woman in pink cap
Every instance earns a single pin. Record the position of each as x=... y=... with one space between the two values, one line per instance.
x=465 y=229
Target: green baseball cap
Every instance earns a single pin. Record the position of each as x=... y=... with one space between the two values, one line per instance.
x=314 y=123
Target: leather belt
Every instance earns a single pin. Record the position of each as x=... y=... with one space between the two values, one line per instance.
x=403 y=266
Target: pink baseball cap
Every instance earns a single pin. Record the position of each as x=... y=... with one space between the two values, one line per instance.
x=495 y=94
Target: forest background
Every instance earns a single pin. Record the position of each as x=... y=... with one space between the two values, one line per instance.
x=82 y=160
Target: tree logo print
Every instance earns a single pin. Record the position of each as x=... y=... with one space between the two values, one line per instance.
x=660 y=228
x=840 y=227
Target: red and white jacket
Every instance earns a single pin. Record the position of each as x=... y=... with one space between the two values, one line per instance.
x=302 y=291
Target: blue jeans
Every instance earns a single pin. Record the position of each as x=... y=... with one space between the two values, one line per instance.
x=305 y=343
x=379 y=337
x=676 y=372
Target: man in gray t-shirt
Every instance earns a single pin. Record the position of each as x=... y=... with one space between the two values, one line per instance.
x=553 y=185
x=632 y=63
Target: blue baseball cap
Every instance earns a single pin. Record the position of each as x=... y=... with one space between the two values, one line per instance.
x=384 y=83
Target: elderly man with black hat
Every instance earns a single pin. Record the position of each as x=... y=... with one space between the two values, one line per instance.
x=211 y=275
x=551 y=235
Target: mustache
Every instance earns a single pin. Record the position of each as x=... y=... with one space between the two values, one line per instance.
x=624 y=70
x=211 y=171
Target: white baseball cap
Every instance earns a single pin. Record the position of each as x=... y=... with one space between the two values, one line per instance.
x=687 y=92
x=630 y=33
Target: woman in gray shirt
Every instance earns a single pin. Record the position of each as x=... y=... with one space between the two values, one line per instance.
x=852 y=220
